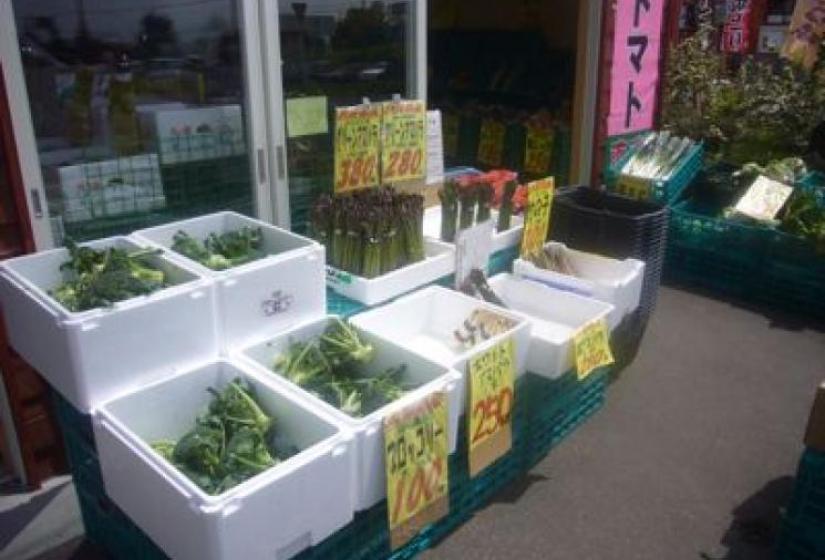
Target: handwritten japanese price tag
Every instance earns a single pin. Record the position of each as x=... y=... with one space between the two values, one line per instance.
x=537 y=218
x=451 y=124
x=404 y=141
x=592 y=348
x=538 y=149
x=357 y=147
x=634 y=187
x=491 y=142
x=415 y=457
x=491 y=378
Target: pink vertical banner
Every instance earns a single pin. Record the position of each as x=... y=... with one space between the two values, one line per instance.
x=635 y=74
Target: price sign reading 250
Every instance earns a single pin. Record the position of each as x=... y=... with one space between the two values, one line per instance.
x=491 y=404
x=415 y=455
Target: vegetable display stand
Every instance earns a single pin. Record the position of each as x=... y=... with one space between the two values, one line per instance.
x=666 y=191
x=555 y=316
x=618 y=282
x=614 y=226
x=439 y=261
x=803 y=531
x=546 y=410
x=236 y=522
x=281 y=284
x=90 y=356
x=501 y=239
x=426 y=322
x=424 y=376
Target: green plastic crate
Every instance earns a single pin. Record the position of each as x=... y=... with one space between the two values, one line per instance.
x=667 y=191
x=803 y=531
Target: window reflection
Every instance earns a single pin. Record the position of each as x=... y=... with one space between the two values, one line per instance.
x=137 y=109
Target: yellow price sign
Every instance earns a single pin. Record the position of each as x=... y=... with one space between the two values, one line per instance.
x=491 y=142
x=450 y=126
x=415 y=458
x=537 y=216
x=404 y=141
x=357 y=147
x=634 y=187
x=592 y=348
x=538 y=150
x=491 y=378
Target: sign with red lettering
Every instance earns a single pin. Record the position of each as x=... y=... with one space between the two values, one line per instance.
x=635 y=73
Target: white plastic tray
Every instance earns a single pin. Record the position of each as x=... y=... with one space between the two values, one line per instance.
x=424 y=322
x=261 y=297
x=273 y=515
x=618 y=282
x=93 y=356
x=501 y=240
x=369 y=479
x=439 y=262
x=556 y=316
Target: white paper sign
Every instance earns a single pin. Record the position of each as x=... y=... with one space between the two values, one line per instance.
x=763 y=199
x=435 y=148
x=200 y=133
x=472 y=250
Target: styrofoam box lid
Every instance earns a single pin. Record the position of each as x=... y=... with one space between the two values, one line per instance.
x=428 y=376
x=560 y=313
x=168 y=408
x=278 y=243
x=39 y=273
x=424 y=321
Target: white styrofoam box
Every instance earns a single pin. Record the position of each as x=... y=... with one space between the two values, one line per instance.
x=262 y=297
x=439 y=262
x=556 y=316
x=501 y=240
x=424 y=322
x=615 y=281
x=92 y=356
x=273 y=515
x=369 y=479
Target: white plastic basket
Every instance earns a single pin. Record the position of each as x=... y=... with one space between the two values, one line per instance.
x=556 y=316
x=273 y=515
x=424 y=322
x=369 y=480
x=261 y=297
x=439 y=262
x=501 y=240
x=618 y=282
x=92 y=356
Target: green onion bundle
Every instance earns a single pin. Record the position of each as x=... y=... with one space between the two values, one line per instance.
x=370 y=232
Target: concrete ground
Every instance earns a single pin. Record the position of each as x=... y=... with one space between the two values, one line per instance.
x=692 y=456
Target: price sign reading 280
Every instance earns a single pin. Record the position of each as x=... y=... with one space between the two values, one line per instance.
x=415 y=456
x=404 y=141
x=357 y=147
x=491 y=404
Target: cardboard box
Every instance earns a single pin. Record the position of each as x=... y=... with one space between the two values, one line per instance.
x=815 y=433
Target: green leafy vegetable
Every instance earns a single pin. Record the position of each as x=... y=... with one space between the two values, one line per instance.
x=228 y=444
x=332 y=368
x=100 y=278
x=220 y=252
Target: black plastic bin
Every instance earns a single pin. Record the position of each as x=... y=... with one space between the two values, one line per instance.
x=615 y=226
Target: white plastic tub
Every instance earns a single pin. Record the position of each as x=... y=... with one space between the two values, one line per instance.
x=94 y=355
x=439 y=262
x=424 y=322
x=271 y=516
x=501 y=240
x=261 y=297
x=369 y=480
x=556 y=316
x=618 y=282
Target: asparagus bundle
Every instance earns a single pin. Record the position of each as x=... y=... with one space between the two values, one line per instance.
x=370 y=232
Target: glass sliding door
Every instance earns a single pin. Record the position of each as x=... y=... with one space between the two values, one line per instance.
x=335 y=53
x=139 y=110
